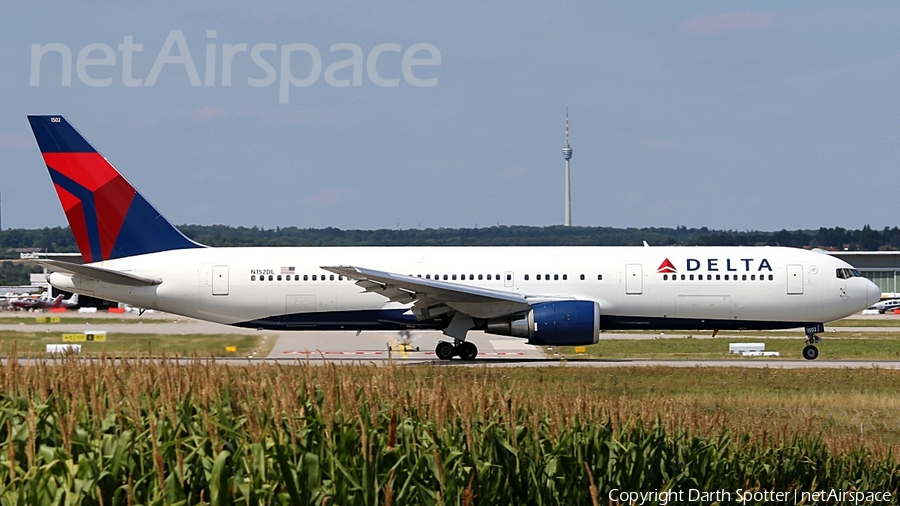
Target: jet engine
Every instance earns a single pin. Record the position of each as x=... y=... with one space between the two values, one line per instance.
x=563 y=323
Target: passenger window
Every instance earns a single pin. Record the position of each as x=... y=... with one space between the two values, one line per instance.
x=445 y=277
x=718 y=277
x=497 y=277
x=692 y=277
x=556 y=277
x=753 y=277
x=279 y=277
x=428 y=276
x=270 y=277
x=296 y=277
x=546 y=277
x=665 y=277
x=565 y=277
x=471 y=277
x=771 y=277
x=331 y=277
x=726 y=277
x=709 y=277
x=582 y=277
x=305 y=277
x=744 y=277
x=509 y=277
x=253 y=277
x=526 y=277
x=454 y=277
x=538 y=277
x=488 y=277
x=599 y=277
x=315 y=278
x=480 y=277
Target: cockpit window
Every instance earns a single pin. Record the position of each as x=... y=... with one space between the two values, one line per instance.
x=848 y=273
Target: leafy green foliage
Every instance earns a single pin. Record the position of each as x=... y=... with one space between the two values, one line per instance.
x=60 y=239
x=139 y=432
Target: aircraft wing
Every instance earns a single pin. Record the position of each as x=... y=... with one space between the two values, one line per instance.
x=98 y=273
x=431 y=298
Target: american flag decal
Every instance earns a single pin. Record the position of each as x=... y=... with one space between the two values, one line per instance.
x=287 y=270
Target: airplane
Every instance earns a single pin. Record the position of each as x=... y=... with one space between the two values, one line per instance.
x=547 y=295
x=45 y=302
x=886 y=306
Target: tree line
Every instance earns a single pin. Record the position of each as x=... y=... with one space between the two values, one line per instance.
x=60 y=239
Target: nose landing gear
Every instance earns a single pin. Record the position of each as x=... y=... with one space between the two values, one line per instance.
x=810 y=352
x=463 y=349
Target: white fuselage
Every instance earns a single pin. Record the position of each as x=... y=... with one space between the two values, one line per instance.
x=699 y=287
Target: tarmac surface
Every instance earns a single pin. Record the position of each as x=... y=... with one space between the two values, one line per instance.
x=389 y=347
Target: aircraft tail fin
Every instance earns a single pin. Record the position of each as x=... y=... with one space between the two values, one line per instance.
x=108 y=217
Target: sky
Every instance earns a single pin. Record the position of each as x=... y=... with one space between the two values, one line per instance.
x=729 y=115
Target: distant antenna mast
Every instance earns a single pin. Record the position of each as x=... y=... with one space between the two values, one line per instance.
x=567 y=154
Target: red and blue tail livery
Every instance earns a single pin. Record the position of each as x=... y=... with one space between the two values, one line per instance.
x=108 y=217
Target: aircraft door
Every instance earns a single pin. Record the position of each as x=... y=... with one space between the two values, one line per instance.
x=220 y=280
x=795 y=280
x=634 y=279
x=294 y=304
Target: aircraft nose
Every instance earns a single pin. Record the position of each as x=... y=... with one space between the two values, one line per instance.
x=873 y=294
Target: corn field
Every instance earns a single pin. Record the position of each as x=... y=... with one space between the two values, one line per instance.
x=150 y=432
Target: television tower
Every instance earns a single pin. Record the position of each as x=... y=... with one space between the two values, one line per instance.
x=567 y=154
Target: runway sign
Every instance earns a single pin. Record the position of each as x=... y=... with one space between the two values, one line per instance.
x=86 y=336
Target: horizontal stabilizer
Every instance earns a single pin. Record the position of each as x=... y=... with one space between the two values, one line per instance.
x=98 y=273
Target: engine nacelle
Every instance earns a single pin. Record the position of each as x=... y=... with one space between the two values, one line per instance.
x=564 y=323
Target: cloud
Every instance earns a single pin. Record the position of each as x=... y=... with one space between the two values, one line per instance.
x=16 y=141
x=729 y=22
x=209 y=113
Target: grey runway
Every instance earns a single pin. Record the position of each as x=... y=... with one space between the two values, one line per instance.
x=317 y=347
x=385 y=345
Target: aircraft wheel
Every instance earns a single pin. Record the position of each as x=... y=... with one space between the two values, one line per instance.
x=444 y=351
x=810 y=352
x=467 y=350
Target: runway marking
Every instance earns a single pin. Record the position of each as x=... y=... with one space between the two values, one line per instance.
x=492 y=354
x=305 y=352
x=480 y=354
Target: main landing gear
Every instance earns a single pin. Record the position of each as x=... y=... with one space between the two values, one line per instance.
x=462 y=349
